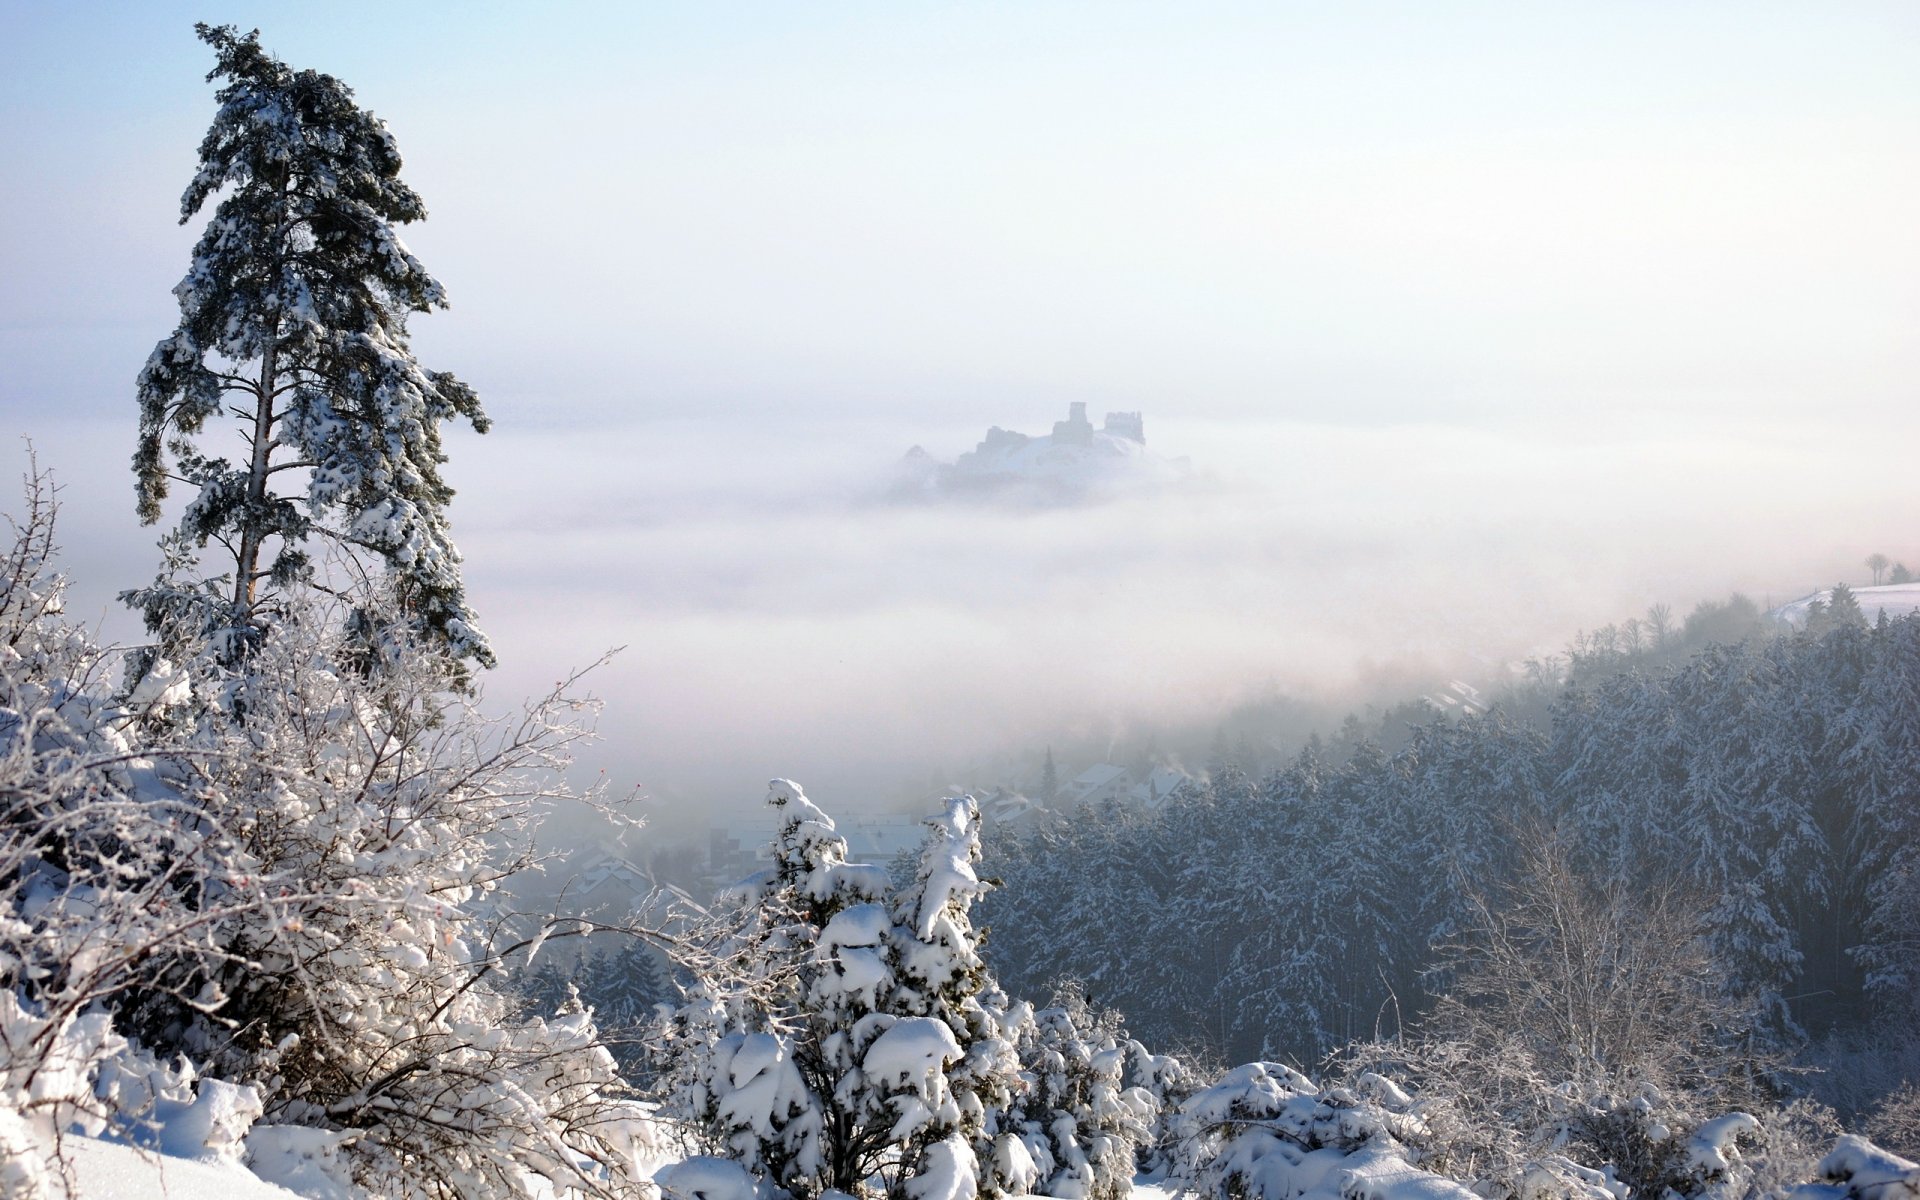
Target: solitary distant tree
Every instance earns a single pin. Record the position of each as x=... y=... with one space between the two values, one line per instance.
x=1844 y=609
x=1877 y=563
x=1049 y=780
x=1660 y=624
x=1901 y=574
x=293 y=324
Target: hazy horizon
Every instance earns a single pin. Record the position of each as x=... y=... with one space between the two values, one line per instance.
x=1480 y=328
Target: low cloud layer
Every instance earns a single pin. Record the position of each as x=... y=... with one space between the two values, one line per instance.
x=779 y=621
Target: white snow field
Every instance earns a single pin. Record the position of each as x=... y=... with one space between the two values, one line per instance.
x=1895 y=599
x=108 y=1171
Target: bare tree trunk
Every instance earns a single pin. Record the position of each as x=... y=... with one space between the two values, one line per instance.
x=246 y=574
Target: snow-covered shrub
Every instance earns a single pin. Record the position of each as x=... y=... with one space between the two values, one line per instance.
x=1092 y=1098
x=266 y=878
x=1168 y=1080
x=1895 y=1124
x=1766 y=1153
x=104 y=870
x=1856 y=1169
x=381 y=811
x=622 y=986
x=834 y=1038
x=1264 y=1131
x=704 y=1177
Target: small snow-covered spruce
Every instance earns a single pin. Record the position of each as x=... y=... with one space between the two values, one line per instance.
x=293 y=319
x=1091 y=1098
x=753 y=1058
x=941 y=976
x=834 y=1037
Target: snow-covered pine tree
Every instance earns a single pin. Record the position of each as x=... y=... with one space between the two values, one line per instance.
x=834 y=1038
x=1880 y=767
x=940 y=976
x=1085 y=1107
x=1479 y=776
x=293 y=319
x=1754 y=847
x=1280 y=899
x=622 y=988
x=1204 y=917
x=1614 y=772
x=1108 y=883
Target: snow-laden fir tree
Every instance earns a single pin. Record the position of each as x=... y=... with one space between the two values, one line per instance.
x=1880 y=763
x=1091 y=1102
x=293 y=326
x=835 y=1038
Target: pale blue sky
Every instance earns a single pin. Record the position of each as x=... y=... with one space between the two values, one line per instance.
x=1384 y=211
x=1508 y=318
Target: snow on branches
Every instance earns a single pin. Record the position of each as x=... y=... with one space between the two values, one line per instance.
x=259 y=891
x=294 y=313
x=835 y=1038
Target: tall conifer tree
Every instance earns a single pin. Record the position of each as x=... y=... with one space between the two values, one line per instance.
x=293 y=323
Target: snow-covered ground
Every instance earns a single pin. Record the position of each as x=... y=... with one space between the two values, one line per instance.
x=106 y=1171
x=1895 y=599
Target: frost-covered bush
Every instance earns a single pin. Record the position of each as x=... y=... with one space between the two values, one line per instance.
x=1485 y=1120
x=104 y=871
x=381 y=810
x=1895 y=1124
x=269 y=877
x=834 y=1038
x=1586 y=1028
x=1170 y=1081
x=1588 y=1045
x=1266 y=1132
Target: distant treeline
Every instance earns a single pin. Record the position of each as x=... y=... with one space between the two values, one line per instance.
x=1775 y=780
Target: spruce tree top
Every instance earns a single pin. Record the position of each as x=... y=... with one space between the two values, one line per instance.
x=293 y=320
